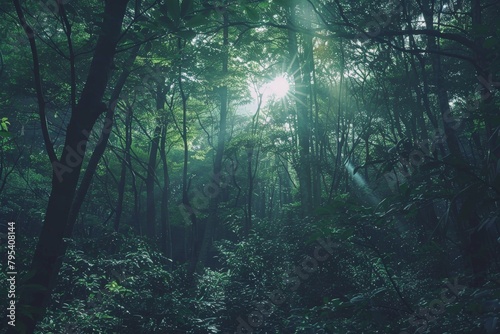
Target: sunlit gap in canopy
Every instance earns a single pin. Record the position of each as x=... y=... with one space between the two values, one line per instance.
x=276 y=89
x=361 y=183
x=264 y=92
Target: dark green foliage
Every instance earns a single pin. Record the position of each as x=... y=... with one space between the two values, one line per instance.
x=365 y=199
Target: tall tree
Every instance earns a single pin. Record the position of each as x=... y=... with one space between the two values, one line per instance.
x=213 y=218
x=66 y=170
x=302 y=80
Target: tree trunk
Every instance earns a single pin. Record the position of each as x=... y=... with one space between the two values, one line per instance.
x=301 y=93
x=123 y=171
x=251 y=169
x=478 y=247
x=249 y=213
x=51 y=247
x=166 y=235
x=209 y=231
x=151 y=174
x=128 y=159
x=474 y=243
x=150 y=186
x=442 y=93
x=188 y=212
x=102 y=144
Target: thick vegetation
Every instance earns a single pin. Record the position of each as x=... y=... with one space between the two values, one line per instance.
x=251 y=166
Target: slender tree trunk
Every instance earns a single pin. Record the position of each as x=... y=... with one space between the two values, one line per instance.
x=235 y=183
x=151 y=173
x=103 y=140
x=442 y=93
x=318 y=135
x=66 y=171
x=189 y=212
x=252 y=170
x=430 y=222
x=304 y=166
x=474 y=243
x=478 y=247
x=340 y=137
x=272 y=200
x=309 y=84
x=150 y=186
x=128 y=158
x=422 y=98
x=123 y=171
x=213 y=216
x=249 y=213
x=166 y=235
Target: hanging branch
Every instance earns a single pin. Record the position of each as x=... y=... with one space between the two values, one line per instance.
x=38 y=82
x=67 y=31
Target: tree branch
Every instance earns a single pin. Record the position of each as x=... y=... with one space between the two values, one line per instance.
x=38 y=82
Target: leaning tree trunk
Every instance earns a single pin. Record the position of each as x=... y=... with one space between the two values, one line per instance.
x=101 y=148
x=66 y=171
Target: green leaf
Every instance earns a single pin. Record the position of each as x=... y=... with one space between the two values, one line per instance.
x=186 y=7
x=186 y=34
x=197 y=20
x=147 y=47
x=263 y=5
x=282 y=3
x=170 y=24
x=173 y=10
x=496 y=182
x=252 y=14
x=481 y=29
x=456 y=162
x=490 y=42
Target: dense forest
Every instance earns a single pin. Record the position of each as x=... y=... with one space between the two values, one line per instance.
x=250 y=166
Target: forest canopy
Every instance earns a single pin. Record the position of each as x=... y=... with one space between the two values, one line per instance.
x=250 y=166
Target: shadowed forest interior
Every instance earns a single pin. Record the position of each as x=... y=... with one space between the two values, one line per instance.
x=250 y=166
